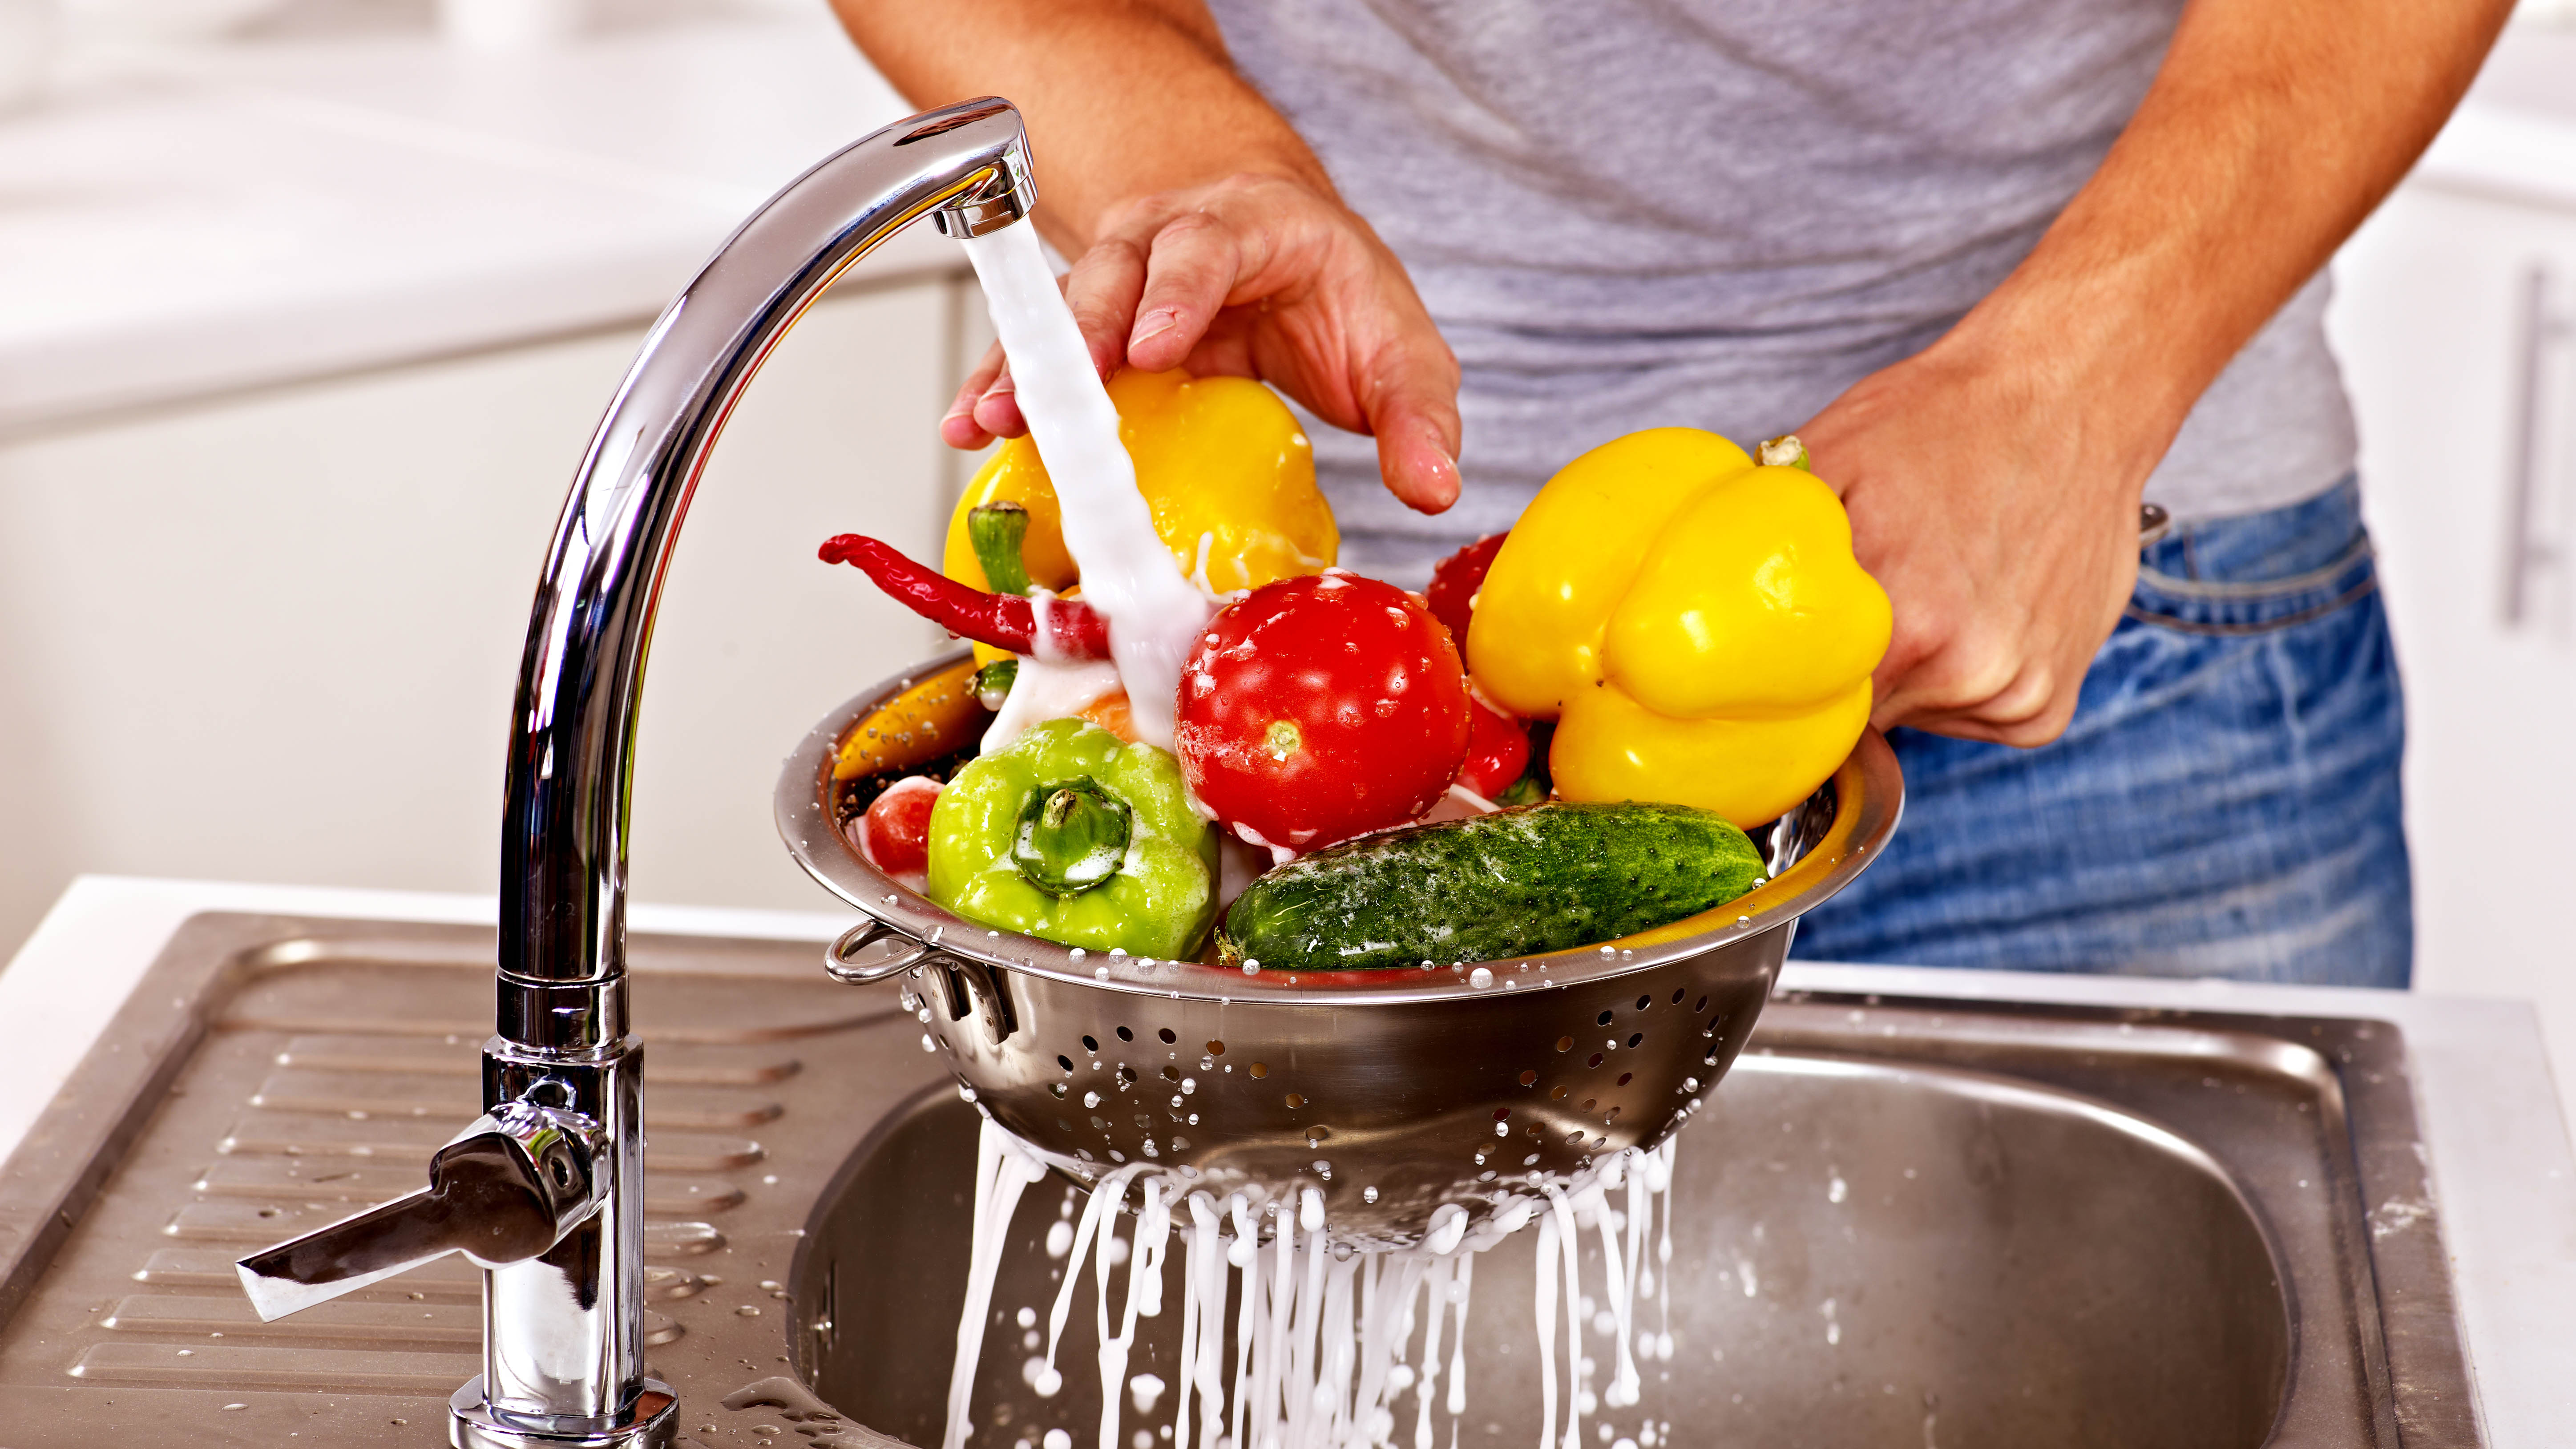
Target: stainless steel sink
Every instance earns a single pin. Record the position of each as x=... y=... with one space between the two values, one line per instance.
x=2052 y=1226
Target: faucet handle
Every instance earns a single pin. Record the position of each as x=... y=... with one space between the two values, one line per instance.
x=504 y=1190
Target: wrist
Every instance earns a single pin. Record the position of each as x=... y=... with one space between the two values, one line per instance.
x=2119 y=379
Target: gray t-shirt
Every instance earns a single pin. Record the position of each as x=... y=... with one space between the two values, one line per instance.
x=1721 y=213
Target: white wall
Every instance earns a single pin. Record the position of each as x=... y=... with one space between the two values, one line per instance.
x=2431 y=324
x=273 y=637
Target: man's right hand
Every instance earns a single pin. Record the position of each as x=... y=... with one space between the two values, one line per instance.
x=1260 y=276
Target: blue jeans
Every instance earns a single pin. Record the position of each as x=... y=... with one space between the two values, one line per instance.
x=2224 y=804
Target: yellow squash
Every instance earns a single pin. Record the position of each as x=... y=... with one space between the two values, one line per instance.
x=1695 y=623
x=1223 y=465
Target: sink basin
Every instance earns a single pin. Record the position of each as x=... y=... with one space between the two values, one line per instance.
x=1901 y=1223
x=1865 y=1254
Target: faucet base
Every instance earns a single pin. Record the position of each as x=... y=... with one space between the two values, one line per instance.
x=653 y=1423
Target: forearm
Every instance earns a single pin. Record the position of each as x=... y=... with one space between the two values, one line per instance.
x=2272 y=130
x=1123 y=98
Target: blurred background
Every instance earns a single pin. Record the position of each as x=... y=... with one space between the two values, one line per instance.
x=307 y=308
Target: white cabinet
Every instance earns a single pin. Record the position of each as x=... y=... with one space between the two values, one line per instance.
x=274 y=637
x=2456 y=322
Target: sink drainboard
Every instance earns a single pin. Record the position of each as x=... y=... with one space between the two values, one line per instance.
x=1902 y=1223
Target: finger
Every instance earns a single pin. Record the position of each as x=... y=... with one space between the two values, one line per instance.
x=1195 y=262
x=998 y=410
x=959 y=429
x=1412 y=409
x=2032 y=705
x=1936 y=674
x=1102 y=289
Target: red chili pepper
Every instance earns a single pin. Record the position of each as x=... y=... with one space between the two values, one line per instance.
x=1076 y=630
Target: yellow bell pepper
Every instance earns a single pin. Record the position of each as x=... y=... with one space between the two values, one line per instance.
x=1223 y=465
x=1694 y=622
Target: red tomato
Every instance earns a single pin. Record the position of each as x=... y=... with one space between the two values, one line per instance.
x=1498 y=751
x=895 y=832
x=1316 y=709
x=1455 y=582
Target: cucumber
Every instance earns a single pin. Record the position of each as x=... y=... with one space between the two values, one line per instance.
x=1513 y=883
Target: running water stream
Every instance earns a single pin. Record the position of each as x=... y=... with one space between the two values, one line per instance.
x=1155 y=613
x=1327 y=1339
x=1325 y=1336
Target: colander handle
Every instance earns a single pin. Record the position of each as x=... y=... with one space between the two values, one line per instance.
x=873 y=951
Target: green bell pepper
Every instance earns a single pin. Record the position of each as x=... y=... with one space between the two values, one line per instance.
x=1067 y=833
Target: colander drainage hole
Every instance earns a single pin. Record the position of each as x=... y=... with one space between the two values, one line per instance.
x=1295 y=1101
x=1066 y=1063
x=1700 y=1005
x=1624 y=1078
x=1588 y=1104
x=1167 y=1036
x=1171 y=1074
x=1090 y=1045
x=1565 y=1043
x=1557 y=1096
x=1605 y=1018
x=1635 y=1038
x=1125 y=1035
x=1677 y=994
x=1215 y=1048
x=1529 y=1078
x=1645 y=1001
x=1259 y=1070
x=1596 y=1060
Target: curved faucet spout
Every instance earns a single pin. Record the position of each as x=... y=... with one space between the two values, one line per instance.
x=563 y=853
x=561 y=1236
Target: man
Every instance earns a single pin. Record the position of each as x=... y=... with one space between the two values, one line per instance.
x=2007 y=266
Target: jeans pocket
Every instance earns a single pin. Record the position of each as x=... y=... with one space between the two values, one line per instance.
x=2259 y=573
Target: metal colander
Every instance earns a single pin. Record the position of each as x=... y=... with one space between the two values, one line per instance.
x=1394 y=1092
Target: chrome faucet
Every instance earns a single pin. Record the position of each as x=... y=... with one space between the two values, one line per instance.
x=545 y=1191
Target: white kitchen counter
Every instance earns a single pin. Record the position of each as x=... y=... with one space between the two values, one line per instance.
x=2500 y=1158
x=199 y=221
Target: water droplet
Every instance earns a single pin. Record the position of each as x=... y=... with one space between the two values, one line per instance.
x=1091 y=1099
x=1480 y=978
x=1368 y=1194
